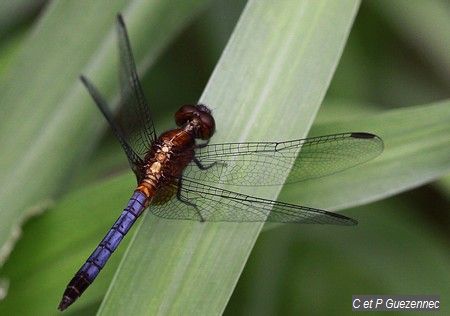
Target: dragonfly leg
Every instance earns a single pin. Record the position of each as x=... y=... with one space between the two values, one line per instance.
x=202 y=166
x=183 y=200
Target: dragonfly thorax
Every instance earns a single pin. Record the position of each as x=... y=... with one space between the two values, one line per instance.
x=167 y=158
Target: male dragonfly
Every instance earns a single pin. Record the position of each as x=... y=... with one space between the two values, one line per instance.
x=175 y=174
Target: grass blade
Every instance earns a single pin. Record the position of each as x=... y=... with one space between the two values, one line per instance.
x=49 y=254
x=423 y=25
x=47 y=120
x=272 y=77
x=417 y=151
x=322 y=266
x=52 y=245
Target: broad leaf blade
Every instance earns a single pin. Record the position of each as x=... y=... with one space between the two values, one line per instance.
x=47 y=120
x=53 y=246
x=425 y=26
x=319 y=268
x=51 y=237
x=417 y=151
x=268 y=84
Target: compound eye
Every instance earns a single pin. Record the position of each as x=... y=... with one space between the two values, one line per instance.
x=207 y=126
x=184 y=114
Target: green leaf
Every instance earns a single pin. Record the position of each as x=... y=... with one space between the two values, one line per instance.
x=14 y=13
x=48 y=122
x=8 y=49
x=268 y=85
x=315 y=270
x=422 y=24
x=417 y=151
x=53 y=246
x=43 y=260
x=444 y=185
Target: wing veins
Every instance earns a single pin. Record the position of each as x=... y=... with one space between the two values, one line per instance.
x=133 y=158
x=274 y=211
x=129 y=76
x=265 y=163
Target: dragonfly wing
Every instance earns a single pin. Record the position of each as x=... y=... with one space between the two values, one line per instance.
x=133 y=127
x=135 y=117
x=265 y=163
x=167 y=204
x=133 y=158
x=206 y=203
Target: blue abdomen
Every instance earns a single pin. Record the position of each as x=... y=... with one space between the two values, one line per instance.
x=97 y=260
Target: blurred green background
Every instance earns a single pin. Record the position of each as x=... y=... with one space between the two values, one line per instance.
x=397 y=56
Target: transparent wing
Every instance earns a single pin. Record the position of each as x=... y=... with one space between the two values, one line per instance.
x=135 y=118
x=133 y=127
x=133 y=158
x=265 y=163
x=207 y=203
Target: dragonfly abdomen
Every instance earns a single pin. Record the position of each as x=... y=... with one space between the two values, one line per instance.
x=97 y=260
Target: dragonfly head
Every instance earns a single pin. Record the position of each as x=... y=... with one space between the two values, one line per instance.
x=199 y=118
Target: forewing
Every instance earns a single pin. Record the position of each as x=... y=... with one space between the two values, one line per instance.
x=218 y=205
x=133 y=158
x=265 y=163
x=133 y=127
x=135 y=119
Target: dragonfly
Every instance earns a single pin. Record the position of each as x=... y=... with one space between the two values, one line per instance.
x=180 y=175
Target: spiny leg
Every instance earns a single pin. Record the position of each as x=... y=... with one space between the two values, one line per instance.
x=199 y=164
x=189 y=203
x=202 y=166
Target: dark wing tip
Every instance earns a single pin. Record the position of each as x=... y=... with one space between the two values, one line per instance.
x=348 y=221
x=120 y=19
x=89 y=86
x=83 y=79
x=377 y=139
x=363 y=135
x=352 y=221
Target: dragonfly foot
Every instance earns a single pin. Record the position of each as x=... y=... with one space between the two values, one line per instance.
x=206 y=167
